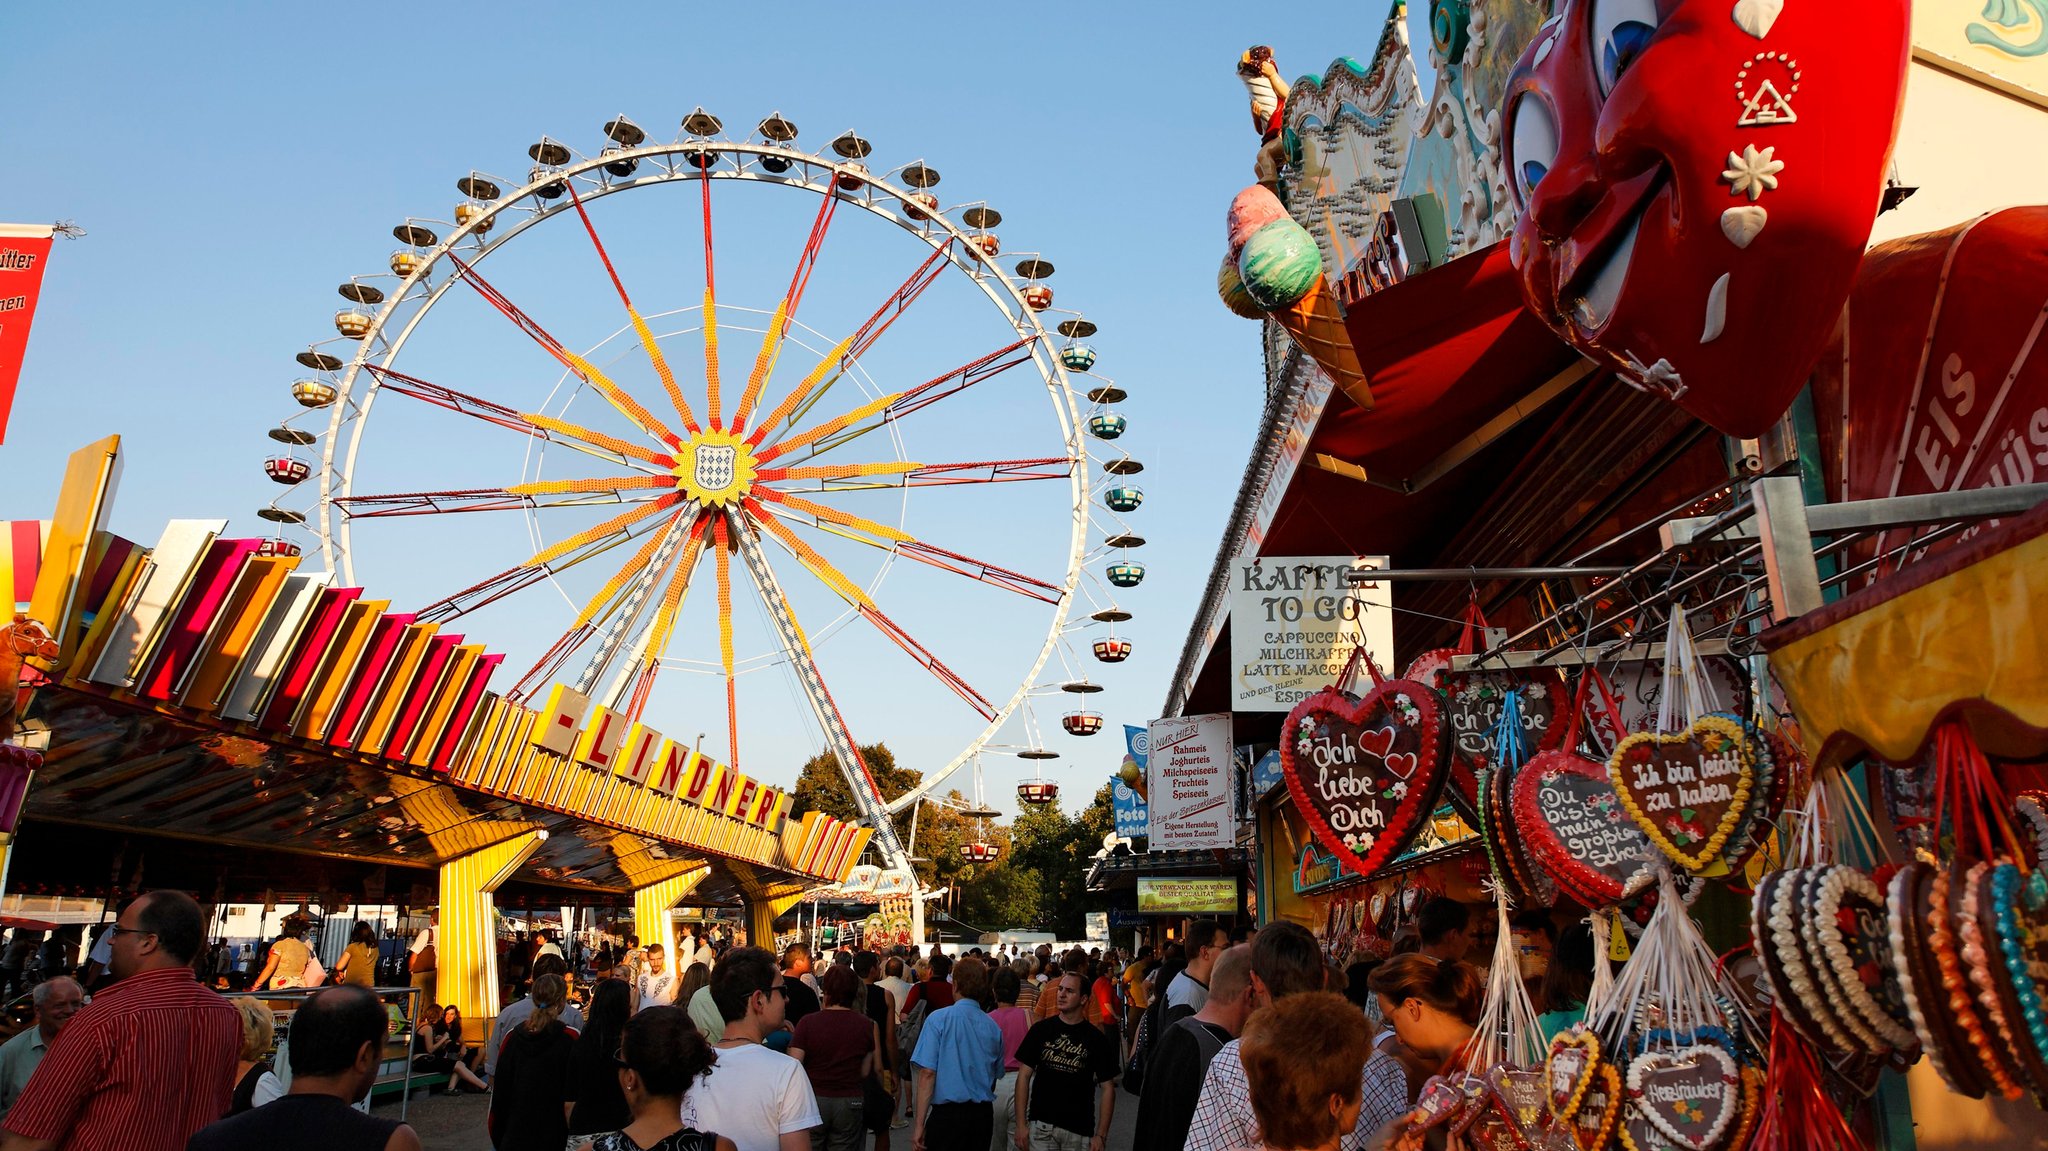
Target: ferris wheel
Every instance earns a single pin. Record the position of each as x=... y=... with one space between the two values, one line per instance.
x=688 y=438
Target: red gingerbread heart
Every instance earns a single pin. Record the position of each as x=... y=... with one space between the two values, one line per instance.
x=1567 y=813
x=1366 y=774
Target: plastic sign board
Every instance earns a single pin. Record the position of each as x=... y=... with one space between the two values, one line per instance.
x=1294 y=621
x=1188 y=784
x=1126 y=802
x=1202 y=895
x=24 y=250
x=1098 y=926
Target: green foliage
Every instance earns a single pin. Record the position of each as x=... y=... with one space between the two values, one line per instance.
x=1038 y=883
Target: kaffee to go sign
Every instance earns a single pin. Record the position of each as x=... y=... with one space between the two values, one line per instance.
x=1295 y=620
x=596 y=737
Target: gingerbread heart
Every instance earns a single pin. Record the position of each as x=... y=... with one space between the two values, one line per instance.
x=1518 y=1092
x=1473 y=701
x=1689 y=1093
x=1854 y=931
x=2033 y=824
x=1568 y=1071
x=1687 y=790
x=1599 y=1110
x=1439 y=1102
x=1366 y=774
x=1572 y=821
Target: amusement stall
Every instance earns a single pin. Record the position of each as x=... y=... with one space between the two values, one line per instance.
x=1667 y=378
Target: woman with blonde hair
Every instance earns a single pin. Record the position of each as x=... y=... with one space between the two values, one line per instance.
x=1301 y=1058
x=534 y=1088
x=259 y=1028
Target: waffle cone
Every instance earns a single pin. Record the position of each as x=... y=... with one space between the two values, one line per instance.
x=1316 y=321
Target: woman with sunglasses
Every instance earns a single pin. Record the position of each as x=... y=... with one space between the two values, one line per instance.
x=661 y=1054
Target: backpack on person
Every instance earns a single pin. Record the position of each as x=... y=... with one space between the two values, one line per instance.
x=423 y=961
x=911 y=1027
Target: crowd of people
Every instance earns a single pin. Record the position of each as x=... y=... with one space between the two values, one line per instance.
x=1227 y=1041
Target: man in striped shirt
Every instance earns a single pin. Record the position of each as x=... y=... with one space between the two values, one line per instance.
x=150 y=1061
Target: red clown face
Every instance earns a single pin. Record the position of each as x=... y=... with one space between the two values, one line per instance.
x=1697 y=181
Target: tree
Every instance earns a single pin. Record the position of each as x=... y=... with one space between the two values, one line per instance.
x=1040 y=879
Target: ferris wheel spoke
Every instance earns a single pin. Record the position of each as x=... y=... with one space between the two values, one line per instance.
x=640 y=328
x=722 y=559
x=845 y=428
x=901 y=543
x=712 y=393
x=516 y=498
x=905 y=474
x=462 y=403
x=578 y=549
x=866 y=795
x=823 y=571
x=617 y=525
x=785 y=312
x=855 y=345
x=662 y=630
x=598 y=607
x=598 y=439
x=583 y=369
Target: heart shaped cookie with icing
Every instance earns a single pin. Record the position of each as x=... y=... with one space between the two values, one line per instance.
x=1518 y=1093
x=1365 y=774
x=1687 y=790
x=1573 y=824
x=1599 y=1111
x=1689 y=1093
x=1568 y=1071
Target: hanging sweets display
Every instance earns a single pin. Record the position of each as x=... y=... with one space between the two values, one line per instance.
x=1686 y=784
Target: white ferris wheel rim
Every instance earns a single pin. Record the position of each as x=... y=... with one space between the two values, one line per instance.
x=805 y=171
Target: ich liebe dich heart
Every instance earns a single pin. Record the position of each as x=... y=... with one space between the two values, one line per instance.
x=1365 y=774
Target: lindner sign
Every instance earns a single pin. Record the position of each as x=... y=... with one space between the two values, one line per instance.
x=24 y=249
x=1294 y=621
x=1187 y=778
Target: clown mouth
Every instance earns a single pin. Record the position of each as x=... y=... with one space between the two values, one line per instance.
x=1595 y=304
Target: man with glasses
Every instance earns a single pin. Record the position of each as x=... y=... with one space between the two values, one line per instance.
x=151 y=1060
x=760 y=1099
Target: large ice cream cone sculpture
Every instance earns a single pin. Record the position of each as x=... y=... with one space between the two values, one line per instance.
x=1274 y=268
x=1316 y=321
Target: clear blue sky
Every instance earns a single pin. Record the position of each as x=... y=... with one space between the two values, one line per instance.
x=233 y=163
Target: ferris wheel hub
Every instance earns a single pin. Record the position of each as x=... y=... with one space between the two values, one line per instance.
x=716 y=468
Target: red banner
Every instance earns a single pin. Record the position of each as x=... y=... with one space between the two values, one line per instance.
x=1936 y=383
x=24 y=249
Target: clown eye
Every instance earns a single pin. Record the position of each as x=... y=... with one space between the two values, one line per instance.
x=1534 y=147
x=1621 y=30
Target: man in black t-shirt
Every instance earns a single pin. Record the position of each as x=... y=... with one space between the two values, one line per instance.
x=1179 y=1059
x=1066 y=1078
x=336 y=1049
x=801 y=998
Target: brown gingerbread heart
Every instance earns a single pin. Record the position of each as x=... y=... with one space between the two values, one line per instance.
x=1687 y=790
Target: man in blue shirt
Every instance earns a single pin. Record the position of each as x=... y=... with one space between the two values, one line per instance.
x=958 y=1059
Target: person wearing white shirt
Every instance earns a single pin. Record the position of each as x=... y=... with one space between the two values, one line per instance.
x=761 y=1099
x=657 y=985
x=548 y=946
